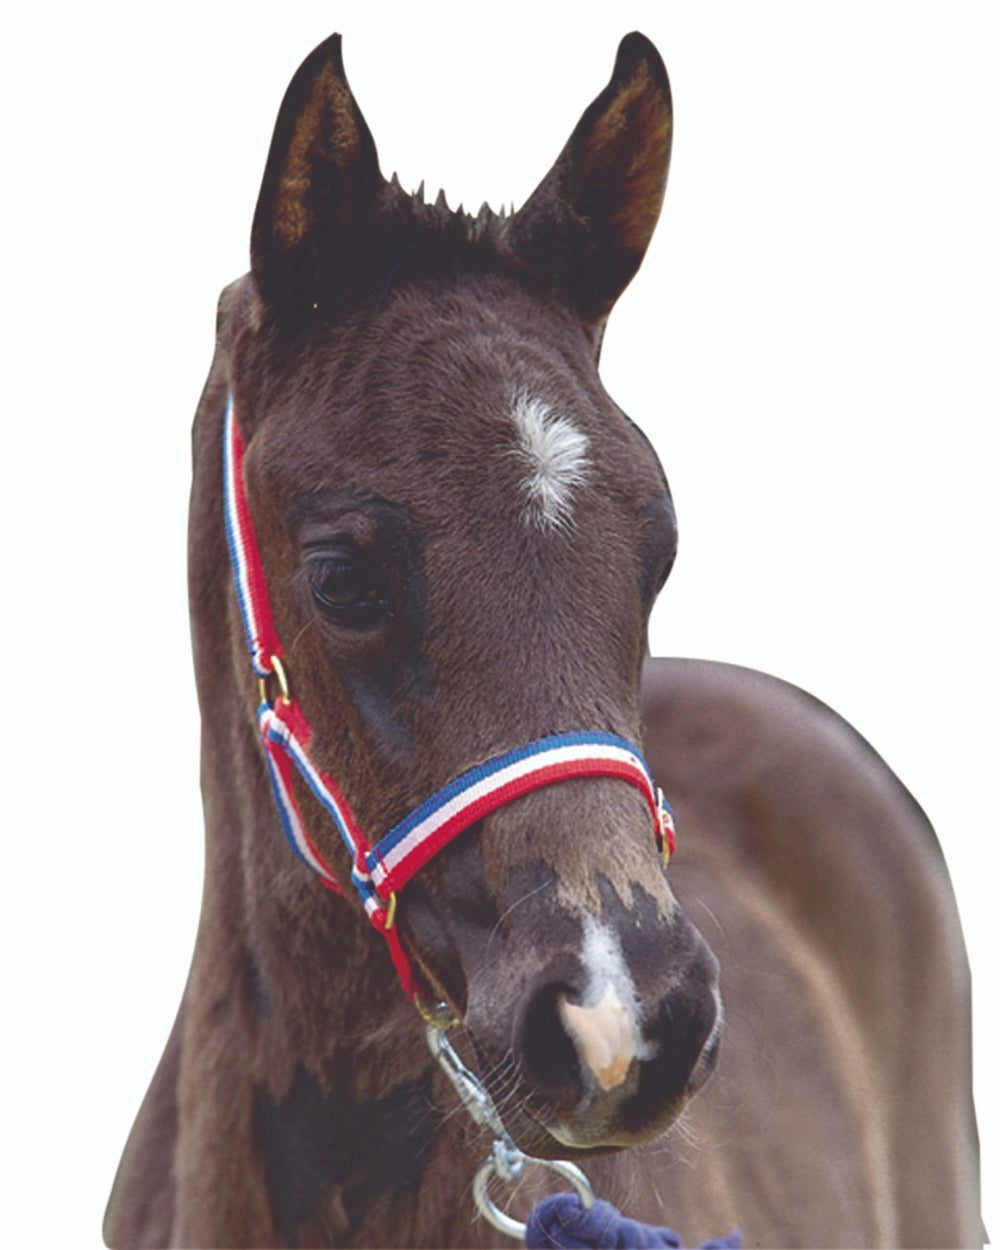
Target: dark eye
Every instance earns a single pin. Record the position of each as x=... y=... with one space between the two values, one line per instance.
x=346 y=592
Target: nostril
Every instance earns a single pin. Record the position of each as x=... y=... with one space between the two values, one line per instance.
x=548 y=1056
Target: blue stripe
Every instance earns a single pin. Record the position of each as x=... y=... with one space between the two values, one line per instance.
x=235 y=553
x=482 y=772
x=365 y=889
x=286 y=821
x=279 y=733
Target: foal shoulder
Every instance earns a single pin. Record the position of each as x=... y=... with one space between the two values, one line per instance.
x=820 y=882
x=734 y=735
x=779 y=786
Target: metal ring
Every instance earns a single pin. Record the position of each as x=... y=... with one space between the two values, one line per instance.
x=440 y=1018
x=282 y=676
x=278 y=670
x=506 y=1223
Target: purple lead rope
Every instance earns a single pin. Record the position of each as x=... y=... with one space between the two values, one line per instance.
x=562 y=1222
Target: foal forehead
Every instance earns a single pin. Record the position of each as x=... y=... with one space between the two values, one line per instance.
x=446 y=394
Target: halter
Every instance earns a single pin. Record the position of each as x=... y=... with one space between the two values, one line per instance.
x=379 y=871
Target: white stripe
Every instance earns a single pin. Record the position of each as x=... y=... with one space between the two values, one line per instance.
x=239 y=543
x=297 y=829
x=312 y=777
x=478 y=790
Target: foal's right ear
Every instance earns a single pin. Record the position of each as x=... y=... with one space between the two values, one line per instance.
x=320 y=185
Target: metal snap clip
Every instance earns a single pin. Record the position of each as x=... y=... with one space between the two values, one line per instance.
x=505 y=1160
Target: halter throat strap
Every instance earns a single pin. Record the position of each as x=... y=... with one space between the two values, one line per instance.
x=379 y=871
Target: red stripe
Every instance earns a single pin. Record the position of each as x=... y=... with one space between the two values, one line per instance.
x=353 y=828
x=670 y=835
x=400 y=959
x=291 y=715
x=285 y=768
x=425 y=850
x=260 y=607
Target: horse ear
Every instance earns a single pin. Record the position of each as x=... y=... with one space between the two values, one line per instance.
x=320 y=184
x=587 y=225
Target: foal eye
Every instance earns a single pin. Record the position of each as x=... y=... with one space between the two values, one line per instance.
x=346 y=592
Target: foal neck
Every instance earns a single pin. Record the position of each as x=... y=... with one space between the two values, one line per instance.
x=306 y=1093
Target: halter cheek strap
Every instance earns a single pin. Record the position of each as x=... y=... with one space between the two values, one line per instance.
x=381 y=870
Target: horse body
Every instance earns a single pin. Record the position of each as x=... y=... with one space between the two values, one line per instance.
x=463 y=537
x=840 y=1113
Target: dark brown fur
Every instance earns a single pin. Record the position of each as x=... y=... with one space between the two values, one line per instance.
x=373 y=353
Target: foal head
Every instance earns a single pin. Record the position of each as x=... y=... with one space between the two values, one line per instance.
x=463 y=536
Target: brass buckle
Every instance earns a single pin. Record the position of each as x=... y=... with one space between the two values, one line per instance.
x=279 y=673
x=440 y=1016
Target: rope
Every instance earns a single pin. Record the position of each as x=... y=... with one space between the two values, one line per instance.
x=562 y=1222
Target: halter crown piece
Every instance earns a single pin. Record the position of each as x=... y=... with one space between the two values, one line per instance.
x=381 y=870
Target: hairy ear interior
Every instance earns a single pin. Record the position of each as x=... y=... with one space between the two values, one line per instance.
x=627 y=152
x=325 y=134
x=320 y=181
x=590 y=220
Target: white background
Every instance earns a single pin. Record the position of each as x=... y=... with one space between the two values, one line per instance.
x=811 y=344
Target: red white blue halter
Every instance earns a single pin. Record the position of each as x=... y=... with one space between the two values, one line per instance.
x=379 y=872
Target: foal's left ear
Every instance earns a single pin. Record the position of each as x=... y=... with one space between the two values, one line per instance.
x=320 y=185
x=587 y=225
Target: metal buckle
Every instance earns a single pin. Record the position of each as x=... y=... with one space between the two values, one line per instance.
x=440 y=1016
x=279 y=673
